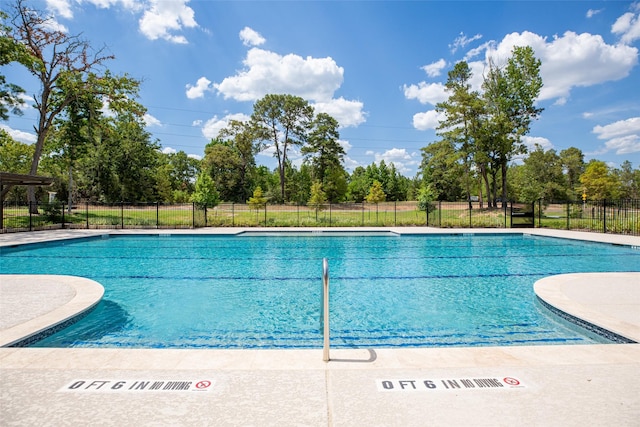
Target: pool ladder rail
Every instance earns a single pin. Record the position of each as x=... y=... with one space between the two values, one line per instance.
x=325 y=309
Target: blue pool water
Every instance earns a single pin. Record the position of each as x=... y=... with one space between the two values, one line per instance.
x=251 y=291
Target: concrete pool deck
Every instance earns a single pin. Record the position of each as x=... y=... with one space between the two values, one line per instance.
x=540 y=385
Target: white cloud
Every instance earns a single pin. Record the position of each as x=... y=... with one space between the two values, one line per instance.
x=163 y=18
x=212 y=127
x=593 y=12
x=347 y=113
x=346 y=145
x=571 y=60
x=435 y=69
x=462 y=41
x=169 y=150
x=61 y=8
x=151 y=121
x=251 y=37
x=268 y=72
x=427 y=120
x=202 y=85
x=532 y=141
x=402 y=160
x=426 y=93
x=622 y=136
x=194 y=156
x=21 y=136
x=628 y=26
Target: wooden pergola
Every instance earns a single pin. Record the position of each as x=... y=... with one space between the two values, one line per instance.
x=8 y=180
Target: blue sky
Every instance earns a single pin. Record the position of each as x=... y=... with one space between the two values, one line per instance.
x=378 y=67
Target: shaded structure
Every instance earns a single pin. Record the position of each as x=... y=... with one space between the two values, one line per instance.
x=9 y=180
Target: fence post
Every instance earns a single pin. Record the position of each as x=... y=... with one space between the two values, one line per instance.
x=604 y=216
x=122 y=215
x=395 y=213
x=363 y=214
x=30 y=215
x=440 y=213
x=265 y=214
x=233 y=214
x=86 y=211
x=63 y=215
x=157 y=214
x=470 y=210
x=329 y=214
x=298 y=209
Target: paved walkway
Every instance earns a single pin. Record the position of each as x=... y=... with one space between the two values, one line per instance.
x=540 y=386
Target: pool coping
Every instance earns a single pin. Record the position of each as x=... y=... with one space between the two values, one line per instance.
x=86 y=294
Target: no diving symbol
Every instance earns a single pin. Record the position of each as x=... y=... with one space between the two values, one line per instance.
x=201 y=385
x=511 y=381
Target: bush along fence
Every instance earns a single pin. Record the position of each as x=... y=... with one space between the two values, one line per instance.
x=607 y=216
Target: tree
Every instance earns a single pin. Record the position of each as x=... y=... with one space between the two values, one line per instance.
x=205 y=195
x=317 y=199
x=510 y=96
x=56 y=55
x=281 y=121
x=629 y=180
x=426 y=197
x=241 y=138
x=257 y=201
x=323 y=151
x=358 y=185
x=463 y=110
x=598 y=181
x=441 y=169
x=541 y=177
x=376 y=195
x=10 y=51
x=573 y=165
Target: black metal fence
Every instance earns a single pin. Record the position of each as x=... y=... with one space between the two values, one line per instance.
x=621 y=216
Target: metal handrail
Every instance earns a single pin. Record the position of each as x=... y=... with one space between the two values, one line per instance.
x=325 y=308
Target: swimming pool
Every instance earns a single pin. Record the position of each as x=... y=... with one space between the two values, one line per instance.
x=254 y=291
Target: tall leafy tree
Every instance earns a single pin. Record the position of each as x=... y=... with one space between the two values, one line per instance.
x=281 y=122
x=441 y=170
x=461 y=126
x=629 y=180
x=510 y=94
x=56 y=55
x=323 y=150
x=573 y=165
x=241 y=138
x=599 y=182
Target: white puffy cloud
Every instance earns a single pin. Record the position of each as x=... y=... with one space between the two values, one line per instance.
x=314 y=79
x=251 y=37
x=532 y=141
x=212 y=127
x=60 y=8
x=627 y=27
x=149 y=120
x=426 y=93
x=169 y=150
x=622 y=136
x=197 y=91
x=571 y=60
x=402 y=160
x=18 y=135
x=347 y=113
x=163 y=18
x=427 y=120
x=268 y=72
x=435 y=69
